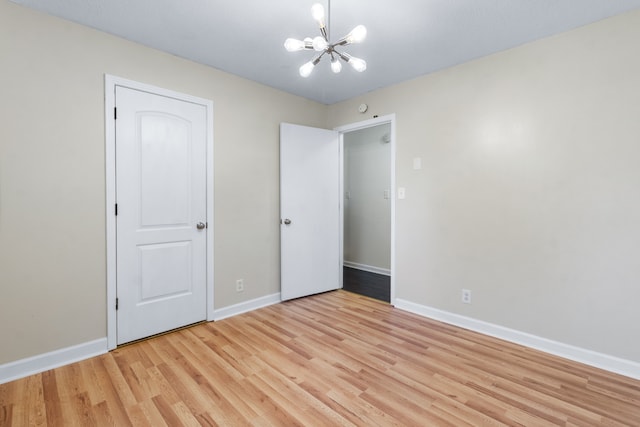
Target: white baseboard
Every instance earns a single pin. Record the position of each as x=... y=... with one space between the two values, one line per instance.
x=53 y=359
x=588 y=357
x=43 y=362
x=369 y=268
x=246 y=306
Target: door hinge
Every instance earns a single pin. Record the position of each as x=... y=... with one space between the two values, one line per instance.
x=116 y=209
x=116 y=303
x=115 y=113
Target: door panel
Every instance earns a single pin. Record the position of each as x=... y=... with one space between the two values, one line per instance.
x=309 y=199
x=161 y=196
x=164 y=170
x=164 y=270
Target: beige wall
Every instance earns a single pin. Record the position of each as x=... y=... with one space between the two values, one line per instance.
x=52 y=175
x=529 y=192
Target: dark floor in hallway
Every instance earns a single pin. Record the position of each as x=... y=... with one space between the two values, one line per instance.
x=361 y=282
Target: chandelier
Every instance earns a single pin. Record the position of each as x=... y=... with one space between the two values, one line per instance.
x=321 y=44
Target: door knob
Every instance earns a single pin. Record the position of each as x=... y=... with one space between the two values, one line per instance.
x=200 y=225
x=287 y=221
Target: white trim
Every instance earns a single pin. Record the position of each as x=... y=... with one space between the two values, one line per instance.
x=110 y=161
x=369 y=268
x=110 y=83
x=246 y=306
x=53 y=359
x=391 y=119
x=210 y=216
x=588 y=357
x=341 y=206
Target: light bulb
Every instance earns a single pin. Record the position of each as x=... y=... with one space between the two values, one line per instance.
x=293 y=45
x=306 y=69
x=317 y=11
x=357 y=35
x=336 y=66
x=319 y=44
x=358 y=64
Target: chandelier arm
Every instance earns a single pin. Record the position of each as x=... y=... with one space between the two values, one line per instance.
x=342 y=42
x=344 y=56
x=323 y=31
x=317 y=59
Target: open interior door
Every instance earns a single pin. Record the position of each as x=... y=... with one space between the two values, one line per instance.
x=309 y=210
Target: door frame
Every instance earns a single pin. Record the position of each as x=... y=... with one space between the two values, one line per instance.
x=376 y=121
x=110 y=84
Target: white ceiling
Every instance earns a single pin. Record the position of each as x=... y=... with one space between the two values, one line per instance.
x=406 y=38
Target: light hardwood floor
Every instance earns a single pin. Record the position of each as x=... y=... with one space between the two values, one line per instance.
x=331 y=359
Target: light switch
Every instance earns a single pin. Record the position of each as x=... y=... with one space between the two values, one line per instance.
x=417 y=163
x=347 y=195
x=401 y=193
x=386 y=194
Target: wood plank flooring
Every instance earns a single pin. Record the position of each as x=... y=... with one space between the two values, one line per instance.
x=331 y=359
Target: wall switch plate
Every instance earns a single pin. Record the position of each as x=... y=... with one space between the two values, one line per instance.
x=239 y=285
x=386 y=194
x=466 y=296
x=417 y=163
x=401 y=193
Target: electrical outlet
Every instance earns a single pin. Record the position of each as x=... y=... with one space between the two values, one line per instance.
x=466 y=296
x=239 y=285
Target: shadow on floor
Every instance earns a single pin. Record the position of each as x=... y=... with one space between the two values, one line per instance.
x=373 y=285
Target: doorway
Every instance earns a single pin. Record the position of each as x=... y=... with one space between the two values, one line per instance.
x=368 y=157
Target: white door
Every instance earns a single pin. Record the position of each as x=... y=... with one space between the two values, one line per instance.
x=310 y=211
x=161 y=213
